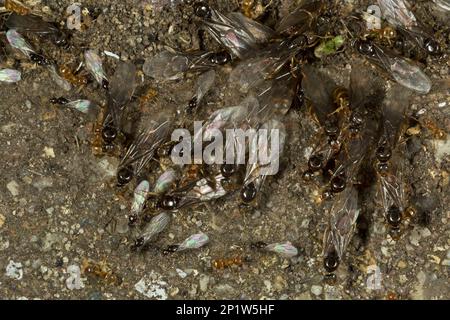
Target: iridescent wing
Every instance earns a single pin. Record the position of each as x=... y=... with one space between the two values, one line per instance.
x=195 y=241
x=17 y=41
x=236 y=32
x=10 y=75
x=166 y=181
x=81 y=105
x=203 y=191
x=140 y=196
x=285 y=249
x=94 y=65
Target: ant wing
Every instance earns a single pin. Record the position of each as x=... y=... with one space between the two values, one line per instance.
x=143 y=149
x=343 y=216
x=397 y=13
x=365 y=88
x=318 y=89
x=31 y=23
x=169 y=65
x=286 y=249
x=403 y=71
x=10 y=75
x=17 y=41
x=302 y=18
x=394 y=109
x=236 y=32
x=204 y=84
x=122 y=86
x=265 y=153
x=195 y=241
x=267 y=63
x=60 y=81
x=95 y=66
x=140 y=196
x=392 y=191
x=155 y=227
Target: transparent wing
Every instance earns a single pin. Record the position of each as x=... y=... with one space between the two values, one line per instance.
x=403 y=71
x=265 y=151
x=398 y=13
x=222 y=119
x=155 y=227
x=17 y=41
x=394 y=109
x=142 y=150
x=285 y=249
x=392 y=191
x=267 y=63
x=195 y=241
x=94 y=65
x=122 y=86
x=60 y=81
x=140 y=196
x=166 y=181
x=236 y=32
x=274 y=98
x=83 y=106
x=10 y=75
x=342 y=221
x=365 y=87
x=204 y=84
x=171 y=65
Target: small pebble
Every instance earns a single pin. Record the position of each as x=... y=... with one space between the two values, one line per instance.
x=203 y=282
x=13 y=188
x=49 y=152
x=14 y=270
x=181 y=273
x=2 y=220
x=316 y=290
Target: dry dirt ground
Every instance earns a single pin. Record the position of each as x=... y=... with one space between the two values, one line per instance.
x=59 y=205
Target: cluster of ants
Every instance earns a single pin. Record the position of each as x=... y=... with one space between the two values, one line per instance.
x=273 y=68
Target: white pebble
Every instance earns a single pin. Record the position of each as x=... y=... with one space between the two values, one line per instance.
x=14 y=270
x=316 y=290
x=13 y=187
x=181 y=273
x=49 y=152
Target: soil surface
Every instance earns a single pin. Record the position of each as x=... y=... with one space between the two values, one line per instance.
x=59 y=206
